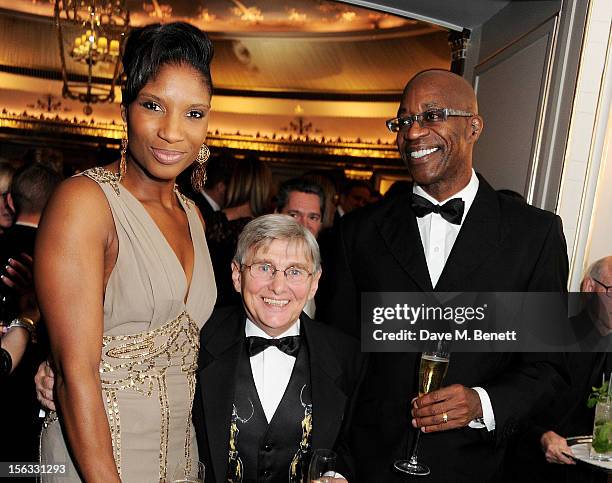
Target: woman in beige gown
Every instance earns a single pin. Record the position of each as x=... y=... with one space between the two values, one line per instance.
x=125 y=281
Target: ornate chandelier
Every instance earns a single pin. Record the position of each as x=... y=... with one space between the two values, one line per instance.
x=91 y=34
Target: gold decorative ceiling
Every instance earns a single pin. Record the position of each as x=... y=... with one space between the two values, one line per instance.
x=244 y=15
x=331 y=69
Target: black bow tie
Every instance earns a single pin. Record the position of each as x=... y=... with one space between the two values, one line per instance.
x=289 y=345
x=451 y=211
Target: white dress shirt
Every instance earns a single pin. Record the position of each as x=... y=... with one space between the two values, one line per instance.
x=438 y=237
x=215 y=206
x=26 y=223
x=271 y=368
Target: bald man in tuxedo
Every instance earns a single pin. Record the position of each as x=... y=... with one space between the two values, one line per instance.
x=451 y=232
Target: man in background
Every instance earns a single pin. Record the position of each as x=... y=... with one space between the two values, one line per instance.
x=543 y=451
x=212 y=196
x=598 y=283
x=27 y=197
x=303 y=200
x=354 y=194
x=30 y=190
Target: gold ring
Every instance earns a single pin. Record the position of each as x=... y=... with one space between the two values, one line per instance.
x=444 y=418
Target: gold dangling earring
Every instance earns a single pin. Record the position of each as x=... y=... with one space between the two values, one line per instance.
x=123 y=160
x=198 y=175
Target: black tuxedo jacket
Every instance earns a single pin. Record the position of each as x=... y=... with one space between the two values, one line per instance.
x=17 y=239
x=202 y=203
x=336 y=366
x=503 y=245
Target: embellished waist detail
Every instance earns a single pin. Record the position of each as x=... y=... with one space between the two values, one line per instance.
x=135 y=361
x=144 y=364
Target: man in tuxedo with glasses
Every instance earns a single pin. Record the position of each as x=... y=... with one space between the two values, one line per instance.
x=273 y=385
x=450 y=233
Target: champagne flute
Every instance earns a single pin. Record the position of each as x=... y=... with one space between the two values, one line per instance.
x=322 y=466
x=433 y=367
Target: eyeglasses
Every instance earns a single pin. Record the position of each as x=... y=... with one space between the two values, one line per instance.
x=267 y=271
x=425 y=119
x=607 y=287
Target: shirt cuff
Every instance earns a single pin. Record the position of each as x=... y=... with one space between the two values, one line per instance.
x=488 y=418
x=334 y=474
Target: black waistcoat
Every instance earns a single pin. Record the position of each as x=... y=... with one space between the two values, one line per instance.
x=261 y=452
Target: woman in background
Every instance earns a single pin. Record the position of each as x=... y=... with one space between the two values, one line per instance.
x=248 y=196
x=124 y=278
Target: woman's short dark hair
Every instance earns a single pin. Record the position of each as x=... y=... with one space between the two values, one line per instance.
x=149 y=48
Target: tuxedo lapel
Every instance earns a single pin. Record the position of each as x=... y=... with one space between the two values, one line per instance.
x=328 y=400
x=400 y=232
x=219 y=364
x=479 y=238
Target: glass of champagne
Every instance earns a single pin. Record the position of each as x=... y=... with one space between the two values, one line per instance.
x=322 y=466
x=433 y=367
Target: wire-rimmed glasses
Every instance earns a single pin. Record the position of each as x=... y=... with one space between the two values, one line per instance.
x=267 y=271
x=425 y=118
x=607 y=287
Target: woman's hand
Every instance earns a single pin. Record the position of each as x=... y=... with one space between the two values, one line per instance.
x=45 y=380
x=19 y=274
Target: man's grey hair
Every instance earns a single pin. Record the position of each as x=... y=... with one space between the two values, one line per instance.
x=264 y=229
x=597 y=268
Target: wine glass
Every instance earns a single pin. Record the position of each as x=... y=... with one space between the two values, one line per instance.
x=433 y=367
x=322 y=466
x=193 y=475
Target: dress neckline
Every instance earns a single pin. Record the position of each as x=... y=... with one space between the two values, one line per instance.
x=185 y=206
x=105 y=175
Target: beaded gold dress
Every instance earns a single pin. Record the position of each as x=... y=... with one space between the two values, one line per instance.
x=150 y=345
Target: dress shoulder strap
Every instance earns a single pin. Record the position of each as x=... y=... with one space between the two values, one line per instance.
x=102 y=176
x=188 y=203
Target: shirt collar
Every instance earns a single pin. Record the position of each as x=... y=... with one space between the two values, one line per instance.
x=467 y=194
x=213 y=203
x=26 y=223
x=250 y=329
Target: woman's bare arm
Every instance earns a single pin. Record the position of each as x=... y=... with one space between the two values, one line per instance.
x=70 y=266
x=15 y=342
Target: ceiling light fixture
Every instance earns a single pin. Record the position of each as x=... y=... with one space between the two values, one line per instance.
x=91 y=34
